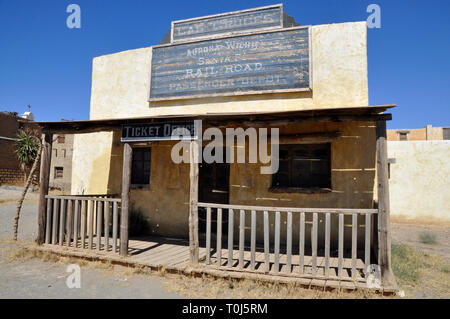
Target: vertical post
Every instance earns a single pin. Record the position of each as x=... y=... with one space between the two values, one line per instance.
x=44 y=175
x=193 y=201
x=384 y=235
x=125 y=211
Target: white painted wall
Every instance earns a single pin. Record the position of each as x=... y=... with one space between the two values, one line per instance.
x=419 y=180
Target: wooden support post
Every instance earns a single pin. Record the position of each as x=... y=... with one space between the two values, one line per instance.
x=193 y=201
x=44 y=175
x=125 y=211
x=384 y=235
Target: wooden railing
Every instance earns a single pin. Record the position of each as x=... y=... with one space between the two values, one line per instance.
x=83 y=221
x=251 y=258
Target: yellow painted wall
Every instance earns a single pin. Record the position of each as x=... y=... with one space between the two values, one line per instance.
x=418 y=183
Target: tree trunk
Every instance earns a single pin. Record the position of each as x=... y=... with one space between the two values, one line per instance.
x=24 y=192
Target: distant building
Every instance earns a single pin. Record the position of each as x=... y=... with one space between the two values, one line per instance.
x=421 y=134
x=61 y=164
x=11 y=171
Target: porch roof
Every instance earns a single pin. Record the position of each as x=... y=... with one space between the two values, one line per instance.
x=365 y=113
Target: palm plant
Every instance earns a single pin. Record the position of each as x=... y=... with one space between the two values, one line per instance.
x=28 y=149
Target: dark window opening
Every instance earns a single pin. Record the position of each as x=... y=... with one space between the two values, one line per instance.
x=303 y=166
x=140 y=170
x=446 y=133
x=403 y=136
x=59 y=172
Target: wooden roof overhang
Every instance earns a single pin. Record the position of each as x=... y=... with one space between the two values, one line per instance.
x=366 y=113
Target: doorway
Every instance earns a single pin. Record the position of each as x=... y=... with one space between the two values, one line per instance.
x=213 y=187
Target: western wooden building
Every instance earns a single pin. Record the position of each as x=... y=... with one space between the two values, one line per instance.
x=323 y=216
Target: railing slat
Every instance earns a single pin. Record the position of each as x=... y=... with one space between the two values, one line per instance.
x=277 y=242
x=219 y=237
x=115 y=225
x=55 y=220
x=107 y=210
x=289 y=242
x=69 y=222
x=314 y=243
x=48 y=230
x=83 y=223
x=208 y=235
x=253 y=241
x=75 y=223
x=327 y=244
x=62 y=220
x=230 y=237
x=241 y=238
x=99 y=224
x=266 y=241
x=367 y=247
x=354 y=242
x=302 y=243
x=91 y=224
x=341 y=245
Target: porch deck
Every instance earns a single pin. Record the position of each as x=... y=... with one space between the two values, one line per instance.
x=173 y=255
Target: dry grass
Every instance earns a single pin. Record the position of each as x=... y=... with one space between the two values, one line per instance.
x=419 y=273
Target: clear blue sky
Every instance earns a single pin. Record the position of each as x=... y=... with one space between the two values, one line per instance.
x=47 y=65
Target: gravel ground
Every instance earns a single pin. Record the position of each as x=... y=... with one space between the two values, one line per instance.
x=37 y=279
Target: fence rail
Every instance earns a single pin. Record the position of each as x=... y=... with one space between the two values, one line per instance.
x=292 y=262
x=85 y=222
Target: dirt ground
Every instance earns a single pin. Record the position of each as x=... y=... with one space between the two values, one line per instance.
x=422 y=269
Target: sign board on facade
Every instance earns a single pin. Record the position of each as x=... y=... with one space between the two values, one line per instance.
x=158 y=131
x=231 y=22
x=261 y=62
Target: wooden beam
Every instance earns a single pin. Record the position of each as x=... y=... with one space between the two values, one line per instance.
x=193 y=201
x=44 y=175
x=384 y=235
x=126 y=186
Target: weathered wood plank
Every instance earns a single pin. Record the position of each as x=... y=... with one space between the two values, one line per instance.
x=62 y=220
x=230 y=237
x=354 y=242
x=302 y=243
x=83 y=223
x=241 y=238
x=341 y=244
x=46 y=156
x=76 y=223
x=208 y=235
x=126 y=188
x=367 y=243
x=48 y=229
x=266 y=241
x=219 y=236
x=276 y=265
x=314 y=243
x=91 y=224
x=99 y=224
x=289 y=242
x=327 y=243
x=193 y=200
x=115 y=226
x=106 y=225
x=253 y=239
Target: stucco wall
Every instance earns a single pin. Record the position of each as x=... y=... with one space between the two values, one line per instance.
x=62 y=157
x=419 y=184
x=419 y=134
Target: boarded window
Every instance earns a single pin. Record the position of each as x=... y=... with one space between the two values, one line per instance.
x=446 y=133
x=403 y=136
x=303 y=166
x=140 y=172
x=61 y=139
x=59 y=172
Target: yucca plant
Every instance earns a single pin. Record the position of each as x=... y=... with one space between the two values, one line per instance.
x=28 y=149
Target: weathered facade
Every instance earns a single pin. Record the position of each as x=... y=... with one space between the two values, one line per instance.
x=61 y=168
x=309 y=82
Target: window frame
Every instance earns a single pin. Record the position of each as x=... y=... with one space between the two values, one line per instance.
x=146 y=185
x=291 y=148
x=57 y=168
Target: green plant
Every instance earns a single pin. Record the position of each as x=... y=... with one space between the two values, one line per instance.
x=427 y=238
x=138 y=223
x=406 y=262
x=26 y=147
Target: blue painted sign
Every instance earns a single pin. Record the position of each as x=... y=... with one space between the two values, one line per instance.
x=266 y=17
x=276 y=61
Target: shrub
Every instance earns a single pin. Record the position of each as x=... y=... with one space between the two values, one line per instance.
x=138 y=223
x=427 y=238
